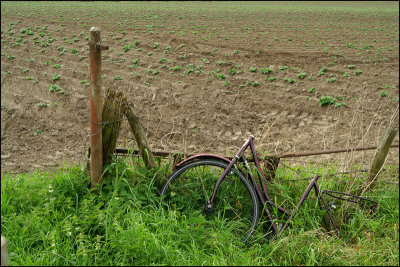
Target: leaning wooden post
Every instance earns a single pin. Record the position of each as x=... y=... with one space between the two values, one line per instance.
x=140 y=138
x=96 y=153
x=379 y=158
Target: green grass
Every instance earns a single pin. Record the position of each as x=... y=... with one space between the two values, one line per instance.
x=55 y=219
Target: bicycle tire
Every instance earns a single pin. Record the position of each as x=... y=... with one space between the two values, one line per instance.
x=187 y=191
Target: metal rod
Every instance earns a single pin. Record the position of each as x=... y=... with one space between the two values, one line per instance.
x=287 y=155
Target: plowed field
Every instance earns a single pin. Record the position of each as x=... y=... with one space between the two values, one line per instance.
x=201 y=76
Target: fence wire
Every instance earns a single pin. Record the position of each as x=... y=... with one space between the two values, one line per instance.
x=174 y=125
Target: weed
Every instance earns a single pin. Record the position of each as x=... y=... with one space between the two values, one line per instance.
x=351 y=66
x=117 y=77
x=312 y=90
x=357 y=72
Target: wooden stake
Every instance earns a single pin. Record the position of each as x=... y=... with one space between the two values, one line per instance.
x=379 y=158
x=140 y=138
x=96 y=158
x=4 y=252
x=113 y=111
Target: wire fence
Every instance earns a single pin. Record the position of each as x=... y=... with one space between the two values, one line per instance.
x=230 y=145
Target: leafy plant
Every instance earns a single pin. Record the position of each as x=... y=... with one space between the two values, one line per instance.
x=302 y=75
x=383 y=94
x=266 y=70
x=329 y=100
x=252 y=69
x=290 y=80
x=177 y=68
x=326 y=100
x=55 y=77
x=221 y=76
x=54 y=88
x=357 y=72
x=330 y=80
x=322 y=71
x=117 y=77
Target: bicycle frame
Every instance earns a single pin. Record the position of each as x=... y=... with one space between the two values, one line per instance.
x=313 y=184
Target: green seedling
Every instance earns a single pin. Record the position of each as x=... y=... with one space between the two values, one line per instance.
x=290 y=80
x=252 y=69
x=266 y=70
x=322 y=71
x=55 y=77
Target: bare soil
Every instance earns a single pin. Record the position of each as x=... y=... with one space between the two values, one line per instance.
x=199 y=111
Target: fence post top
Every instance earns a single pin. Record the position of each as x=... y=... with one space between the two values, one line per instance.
x=94 y=29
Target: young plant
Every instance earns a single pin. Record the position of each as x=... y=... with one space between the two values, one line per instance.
x=302 y=75
x=55 y=77
x=322 y=71
x=266 y=70
x=290 y=80
x=252 y=69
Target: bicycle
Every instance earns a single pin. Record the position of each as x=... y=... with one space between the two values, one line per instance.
x=234 y=199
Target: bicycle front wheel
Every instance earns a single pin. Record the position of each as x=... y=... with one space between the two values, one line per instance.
x=235 y=210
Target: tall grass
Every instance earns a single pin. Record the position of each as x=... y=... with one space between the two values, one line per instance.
x=55 y=219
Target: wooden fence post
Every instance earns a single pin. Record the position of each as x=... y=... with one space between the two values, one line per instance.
x=4 y=252
x=379 y=158
x=96 y=155
x=141 y=139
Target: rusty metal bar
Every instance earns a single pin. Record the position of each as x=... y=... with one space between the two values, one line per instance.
x=328 y=151
x=287 y=155
x=96 y=158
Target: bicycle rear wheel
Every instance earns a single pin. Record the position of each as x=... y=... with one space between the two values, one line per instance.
x=235 y=208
